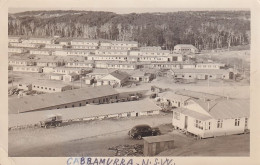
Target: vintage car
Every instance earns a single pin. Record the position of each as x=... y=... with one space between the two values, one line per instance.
x=54 y=120
x=140 y=131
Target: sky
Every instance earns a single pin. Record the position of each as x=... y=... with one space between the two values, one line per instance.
x=127 y=6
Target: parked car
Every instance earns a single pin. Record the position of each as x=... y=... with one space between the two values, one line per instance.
x=52 y=120
x=140 y=131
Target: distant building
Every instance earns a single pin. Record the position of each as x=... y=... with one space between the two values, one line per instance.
x=70 y=98
x=71 y=77
x=116 y=78
x=213 y=118
x=105 y=44
x=107 y=58
x=46 y=52
x=40 y=40
x=89 y=80
x=17 y=50
x=20 y=62
x=25 y=86
x=85 y=42
x=55 y=77
x=35 y=69
x=209 y=65
x=111 y=52
x=50 y=87
x=85 y=64
x=202 y=74
x=54 y=46
x=25 y=45
x=64 y=41
x=185 y=49
x=98 y=73
x=162 y=65
x=144 y=52
x=63 y=70
x=49 y=63
x=151 y=48
x=116 y=65
x=123 y=45
x=71 y=52
x=14 y=39
x=172 y=99
x=83 y=47
x=139 y=76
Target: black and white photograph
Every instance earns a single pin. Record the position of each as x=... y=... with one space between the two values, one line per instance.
x=129 y=82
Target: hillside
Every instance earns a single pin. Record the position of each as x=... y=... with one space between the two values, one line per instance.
x=204 y=29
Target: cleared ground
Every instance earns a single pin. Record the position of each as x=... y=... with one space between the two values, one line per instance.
x=95 y=138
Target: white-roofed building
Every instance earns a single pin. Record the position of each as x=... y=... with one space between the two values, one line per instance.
x=213 y=118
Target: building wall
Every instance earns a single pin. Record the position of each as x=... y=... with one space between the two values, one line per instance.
x=107 y=58
x=228 y=126
x=50 y=89
x=75 y=64
x=27 y=69
x=40 y=52
x=25 y=45
x=27 y=87
x=55 y=77
x=208 y=66
x=83 y=47
x=54 y=46
x=82 y=42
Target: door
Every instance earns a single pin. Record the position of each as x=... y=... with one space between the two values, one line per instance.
x=186 y=122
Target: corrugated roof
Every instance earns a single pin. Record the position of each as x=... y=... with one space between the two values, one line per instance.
x=30 y=103
x=83 y=112
x=161 y=138
x=119 y=75
x=193 y=114
x=126 y=42
x=197 y=95
x=209 y=71
x=186 y=45
x=226 y=108
x=172 y=95
x=84 y=40
x=111 y=50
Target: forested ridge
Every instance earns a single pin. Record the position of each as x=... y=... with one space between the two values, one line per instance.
x=204 y=29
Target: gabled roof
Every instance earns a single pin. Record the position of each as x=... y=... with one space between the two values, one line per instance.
x=185 y=45
x=226 y=108
x=172 y=95
x=31 y=103
x=118 y=75
x=85 y=40
x=124 y=42
x=198 y=95
x=192 y=113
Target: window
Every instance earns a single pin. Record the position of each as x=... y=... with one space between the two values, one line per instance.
x=246 y=122
x=237 y=121
x=198 y=124
x=220 y=124
x=176 y=115
x=72 y=105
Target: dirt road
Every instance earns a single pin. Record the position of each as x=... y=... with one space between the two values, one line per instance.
x=88 y=139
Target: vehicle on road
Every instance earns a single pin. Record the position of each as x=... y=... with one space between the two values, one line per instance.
x=52 y=121
x=140 y=131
